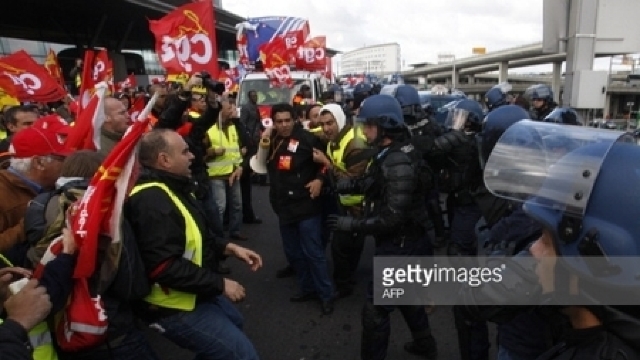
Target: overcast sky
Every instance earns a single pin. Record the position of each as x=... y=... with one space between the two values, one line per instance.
x=423 y=28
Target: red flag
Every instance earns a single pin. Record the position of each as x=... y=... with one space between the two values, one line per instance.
x=99 y=210
x=274 y=56
x=31 y=81
x=186 y=39
x=128 y=83
x=312 y=56
x=53 y=67
x=81 y=134
x=7 y=88
x=136 y=107
x=96 y=68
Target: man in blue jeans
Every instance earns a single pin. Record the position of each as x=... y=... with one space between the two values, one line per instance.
x=296 y=182
x=189 y=303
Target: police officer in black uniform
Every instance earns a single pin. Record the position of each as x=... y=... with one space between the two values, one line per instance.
x=463 y=174
x=394 y=187
x=421 y=126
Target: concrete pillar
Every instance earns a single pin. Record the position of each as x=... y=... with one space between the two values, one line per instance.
x=581 y=44
x=556 y=81
x=503 y=72
x=422 y=80
x=471 y=79
x=455 y=77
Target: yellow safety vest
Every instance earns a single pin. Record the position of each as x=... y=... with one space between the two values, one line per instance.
x=40 y=338
x=337 y=158
x=225 y=164
x=3 y=134
x=174 y=299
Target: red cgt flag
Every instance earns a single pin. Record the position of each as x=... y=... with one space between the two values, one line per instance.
x=312 y=56
x=186 y=39
x=99 y=210
x=274 y=56
x=32 y=82
x=97 y=68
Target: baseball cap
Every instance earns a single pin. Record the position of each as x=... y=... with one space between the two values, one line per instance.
x=45 y=137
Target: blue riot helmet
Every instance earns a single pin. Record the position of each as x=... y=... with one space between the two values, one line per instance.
x=497 y=96
x=338 y=93
x=565 y=116
x=384 y=112
x=494 y=125
x=583 y=202
x=465 y=114
x=408 y=98
x=539 y=92
x=361 y=92
x=407 y=95
x=362 y=88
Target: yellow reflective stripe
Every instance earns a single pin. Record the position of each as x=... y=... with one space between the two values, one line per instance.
x=5 y=261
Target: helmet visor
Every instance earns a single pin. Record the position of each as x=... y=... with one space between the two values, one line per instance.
x=456 y=119
x=535 y=159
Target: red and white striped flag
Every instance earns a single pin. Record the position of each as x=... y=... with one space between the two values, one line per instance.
x=100 y=209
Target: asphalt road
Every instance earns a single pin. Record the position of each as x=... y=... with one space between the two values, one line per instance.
x=281 y=330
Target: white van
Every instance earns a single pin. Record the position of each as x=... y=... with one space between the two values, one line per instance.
x=268 y=95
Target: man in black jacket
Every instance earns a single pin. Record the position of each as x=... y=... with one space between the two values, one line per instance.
x=189 y=303
x=295 y=197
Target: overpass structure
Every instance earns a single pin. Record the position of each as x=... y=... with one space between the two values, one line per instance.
x=471 y=75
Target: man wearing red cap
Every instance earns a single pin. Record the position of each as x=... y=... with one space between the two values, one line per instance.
x=38 y=153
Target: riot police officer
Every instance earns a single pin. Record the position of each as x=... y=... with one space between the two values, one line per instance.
x=394 y=187
x=360 y=93
x=463 y=174
x=540 y=97
x=497 y=96
x=585 y=235
x=423 y=130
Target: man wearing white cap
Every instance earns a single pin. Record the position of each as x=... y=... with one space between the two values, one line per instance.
x=349 y=156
